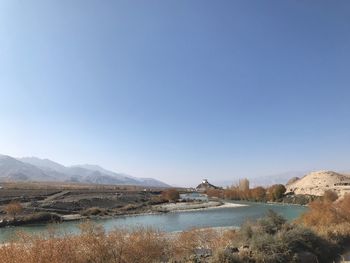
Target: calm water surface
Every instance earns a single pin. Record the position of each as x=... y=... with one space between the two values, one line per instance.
x=177 y=221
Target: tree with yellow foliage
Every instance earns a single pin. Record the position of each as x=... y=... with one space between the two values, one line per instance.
x=13 y=209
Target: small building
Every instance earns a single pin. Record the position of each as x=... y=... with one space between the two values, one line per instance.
x=194 y=197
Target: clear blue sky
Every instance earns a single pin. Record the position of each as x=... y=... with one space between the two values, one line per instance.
x=177 y=90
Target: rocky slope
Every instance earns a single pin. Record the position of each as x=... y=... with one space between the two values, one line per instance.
x=316 y=183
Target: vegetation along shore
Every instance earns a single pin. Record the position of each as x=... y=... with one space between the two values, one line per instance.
x=320 y=235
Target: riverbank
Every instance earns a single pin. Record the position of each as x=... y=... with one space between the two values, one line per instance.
x=270 y=240
x=222 y=216
x=96 y=213
x=45 y=218
x=163 y=209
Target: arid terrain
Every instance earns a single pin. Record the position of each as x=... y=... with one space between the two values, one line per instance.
x=316 y=183
x=78 y=199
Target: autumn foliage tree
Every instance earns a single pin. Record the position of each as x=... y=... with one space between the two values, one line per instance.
x=232 y=193
x=276 y=192
x=235 y=193
x=170 y=195
x=243 y=185
x=258 y=193
x=13 y=209
x=241 y=191
x=218 y=193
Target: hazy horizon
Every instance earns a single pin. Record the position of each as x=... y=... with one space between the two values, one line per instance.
x=177 y=90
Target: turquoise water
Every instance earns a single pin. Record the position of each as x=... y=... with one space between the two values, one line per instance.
x=219 y=217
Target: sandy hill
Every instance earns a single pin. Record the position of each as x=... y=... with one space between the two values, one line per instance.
x=316 y=183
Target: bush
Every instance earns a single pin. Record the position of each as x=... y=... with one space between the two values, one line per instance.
x=223 y=256
x=272 y=222
x=268 y=248
x=299 y=239
x=330 y=196
x=273 y=239
x=329 y=219
x=189 y=241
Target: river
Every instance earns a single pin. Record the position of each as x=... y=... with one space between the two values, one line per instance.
x=174 y=221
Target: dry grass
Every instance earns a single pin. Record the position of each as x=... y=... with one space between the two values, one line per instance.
x=94 y=245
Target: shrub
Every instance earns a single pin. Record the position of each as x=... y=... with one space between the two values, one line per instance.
x=300 y=239
x=272 y=239
x=268 y=248
x=94 y=211
x=329 y=219
x=330 y=196
x=189 y=241
x=223 y=256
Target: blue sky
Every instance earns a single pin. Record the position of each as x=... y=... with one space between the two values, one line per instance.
x=177 y=90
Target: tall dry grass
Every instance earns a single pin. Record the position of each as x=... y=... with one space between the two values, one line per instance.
x=94 y=245
x=188 y=242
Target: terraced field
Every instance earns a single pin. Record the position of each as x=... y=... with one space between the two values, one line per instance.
x=64 y=199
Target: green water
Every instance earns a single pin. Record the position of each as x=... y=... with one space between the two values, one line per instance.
x=219 y=217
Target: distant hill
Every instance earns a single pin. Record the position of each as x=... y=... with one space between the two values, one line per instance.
x=36 y=169
x=151 y=182
x=316 y=183
x=14 y=170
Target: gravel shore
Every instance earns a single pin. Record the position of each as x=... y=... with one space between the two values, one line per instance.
x=191 y=206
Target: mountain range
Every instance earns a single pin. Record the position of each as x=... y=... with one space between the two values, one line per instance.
x=36 y=169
